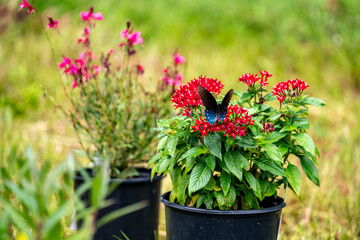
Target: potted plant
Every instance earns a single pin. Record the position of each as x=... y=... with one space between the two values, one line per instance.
x=114 y=115
x=228 y=158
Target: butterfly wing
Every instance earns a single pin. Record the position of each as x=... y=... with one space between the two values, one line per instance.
x=222 y=109
x=211 y=112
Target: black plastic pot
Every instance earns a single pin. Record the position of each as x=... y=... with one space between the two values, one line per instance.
x=184 y=223
x=138 y=225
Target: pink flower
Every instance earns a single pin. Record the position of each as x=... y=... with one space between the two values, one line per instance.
x=178 y=59
x=90 y=15
x=97 y=69
x=52 y=23
x=139 y=69
x=25 y=4
x=133 y=38
x=111 y=51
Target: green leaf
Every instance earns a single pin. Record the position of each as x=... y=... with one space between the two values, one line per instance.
x=230 y=197
x=200 y=200
x=189 y=164
x=171 y=145
x=211 y=162
x=314 y=101
x=273 y=152
x=310 y=169
x=234 y=163
x=164 y=164
x=254 y=184
x=275 y=117
x=294 y=177
x=193 y=152
x=162 y=143
x=199 y=177
x=213 y=143
x=225 y=182
x=209 y=201
x=184 y=182
x=155 y=158
x=274 y=137
x=211 y=184
x=270 y=166
x=306 y=142
x=245 y=142
x=220 y=198
x=283 y=149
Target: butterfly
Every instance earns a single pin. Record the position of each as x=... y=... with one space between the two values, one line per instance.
x=214 y=111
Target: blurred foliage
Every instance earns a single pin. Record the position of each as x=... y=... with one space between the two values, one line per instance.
x=316 y=40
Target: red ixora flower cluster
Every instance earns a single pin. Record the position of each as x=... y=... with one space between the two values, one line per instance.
x=251 y=79
x=186 y=96
x=235 y=123
x=282 y=90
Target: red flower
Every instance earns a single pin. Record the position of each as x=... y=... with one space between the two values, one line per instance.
x=234 y=124
x=139 y=69
x=52 y=23
x=187 y=97
x=282 y=90
x=264 y=76
x=249 y=79
x=25 y=4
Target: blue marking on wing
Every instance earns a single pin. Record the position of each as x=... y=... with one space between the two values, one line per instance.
x=211 y=116
x=222 y=115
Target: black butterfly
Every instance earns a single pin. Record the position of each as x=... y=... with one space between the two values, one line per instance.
x=214 y=111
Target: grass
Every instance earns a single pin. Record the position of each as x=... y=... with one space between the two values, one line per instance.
x=313 y=40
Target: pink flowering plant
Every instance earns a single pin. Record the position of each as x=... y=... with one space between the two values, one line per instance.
x=111 y=111
x=244 y=154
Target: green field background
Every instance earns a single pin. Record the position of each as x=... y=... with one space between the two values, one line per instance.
x=314 y=40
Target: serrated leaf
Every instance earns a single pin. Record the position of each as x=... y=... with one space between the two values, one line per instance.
x=225 y=182
x=213 y=143
x=270 y=166
x=313 y=101
x=171 y=145
x=294 y=176
x=306 y=142
x=310 y=169
x=273 y=152
x=234 y=164
x=254 y=184
x=192 y=152
x=211 y=162
x=199 y=177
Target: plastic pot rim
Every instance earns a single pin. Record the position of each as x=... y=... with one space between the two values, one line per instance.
x=220 y=212
x=135 y=180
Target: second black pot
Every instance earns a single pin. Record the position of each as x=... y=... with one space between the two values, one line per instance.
x=138 y=225
x=184 y=223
